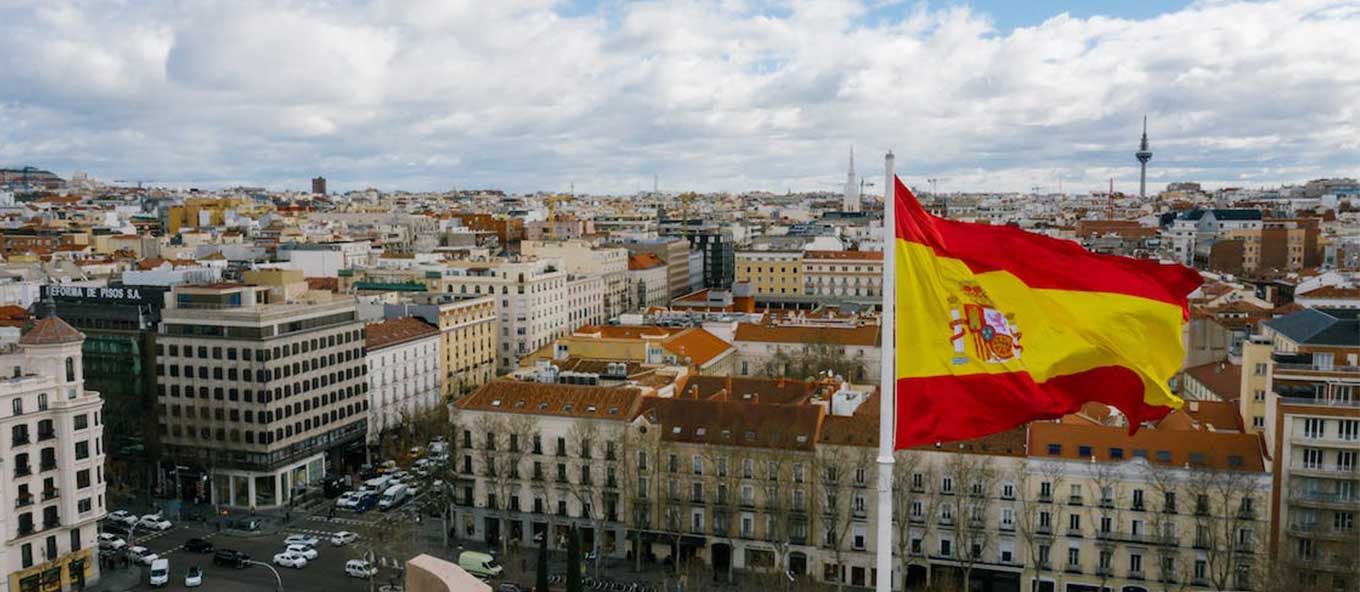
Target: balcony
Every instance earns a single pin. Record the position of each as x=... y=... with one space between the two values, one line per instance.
x=22 y=470
x=51 y=522
x=1107 y=503
x=1314 y=530
x=1074 y=532
x=1324 y=469
x=1073 y=568
x=51 y=494
x=1331 y=500
x=23 y=500
x=26 y=529
x=1044 y=530
x=44 y=435
x=1045 y=498
x=1074 y=500
x=1104 y=571
x=1007 y=527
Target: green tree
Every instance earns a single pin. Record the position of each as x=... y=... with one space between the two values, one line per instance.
x=541 y=582
x=574 y=561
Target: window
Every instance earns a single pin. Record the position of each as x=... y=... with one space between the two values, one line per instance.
x=1135 y=563
x=1312 y=458
x=81 y=422
x=1074 y=557
x=1084 y=451
x=1055 y=449
x=1116 y=453
x=1313 y=427
x=1260 y=369
x=1349 y=429
x=82 y=450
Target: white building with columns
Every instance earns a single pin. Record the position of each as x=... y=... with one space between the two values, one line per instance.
x=52 y=455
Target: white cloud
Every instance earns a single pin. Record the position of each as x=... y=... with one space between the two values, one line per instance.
x=710 y=95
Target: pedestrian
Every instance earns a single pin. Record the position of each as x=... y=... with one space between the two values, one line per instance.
x=288 y=517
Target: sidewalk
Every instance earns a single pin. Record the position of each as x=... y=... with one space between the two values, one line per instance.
x=117 y=580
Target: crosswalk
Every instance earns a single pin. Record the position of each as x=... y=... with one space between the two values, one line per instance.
x=171 y=551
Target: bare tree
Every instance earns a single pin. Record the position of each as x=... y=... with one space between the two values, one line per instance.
x=838 y=505
x=812 y=360
x=1101 y=500
x=1226 y=522
x=723 y=480
x=584 y=439
x=913 y=510
x=975 y=476
x=1034 y=514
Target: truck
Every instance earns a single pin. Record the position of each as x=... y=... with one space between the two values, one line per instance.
x=481 y=565
x=393 y=497
x=378 y=484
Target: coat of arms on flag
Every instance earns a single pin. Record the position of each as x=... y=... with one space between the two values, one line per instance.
x=991 y=333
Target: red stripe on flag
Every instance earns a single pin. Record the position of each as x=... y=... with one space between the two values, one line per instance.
x=1040 y=261
x=948 y=408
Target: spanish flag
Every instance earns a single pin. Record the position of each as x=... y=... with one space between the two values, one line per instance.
x=997 y=326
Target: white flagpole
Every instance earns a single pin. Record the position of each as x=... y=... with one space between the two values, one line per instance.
x=887 y=385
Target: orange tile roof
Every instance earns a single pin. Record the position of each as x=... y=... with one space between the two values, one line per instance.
x=859 y=255
x=560 y=400
x=644 y=261
x=626 y=331
x=1221 y=378
x=49 y=331
x=396 y=331
x=791 y=427
x=865 y=335
x=753 y=389
x=696 y=344
x=1165 y=447
x=1331 y=292
x=323 y=284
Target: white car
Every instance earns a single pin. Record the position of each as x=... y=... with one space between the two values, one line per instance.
x=109 y=541
x=193 y=578
x=306 y=552
x=301 y=539
x=123 y=517
x=142 y=555
x=358 y=568
x=154 y=522
x=349 y=499
x=290 y=559
x=343 y=538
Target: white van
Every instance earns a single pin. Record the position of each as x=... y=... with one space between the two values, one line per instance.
x=479 y=564
x=393 y=497
x=160 y=572
x=378 y=484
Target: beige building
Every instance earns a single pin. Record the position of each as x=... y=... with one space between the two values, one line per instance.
x=771 y=272
x=848 y=275
x=260 y=387
x=467 y=337
x=52 y=451
x=584 y=259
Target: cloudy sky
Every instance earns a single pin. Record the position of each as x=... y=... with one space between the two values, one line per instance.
x=724 y=95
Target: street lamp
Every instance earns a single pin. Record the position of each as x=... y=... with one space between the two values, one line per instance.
x=277 y=577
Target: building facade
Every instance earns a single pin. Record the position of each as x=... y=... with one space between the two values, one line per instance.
x=258 y=390
x=403 y=358
x=52 y=446
x=771 y=273
x=468 y=334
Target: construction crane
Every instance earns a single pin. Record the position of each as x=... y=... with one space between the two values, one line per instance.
x=552 y=200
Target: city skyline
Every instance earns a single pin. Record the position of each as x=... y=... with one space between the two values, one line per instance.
x=533 y=96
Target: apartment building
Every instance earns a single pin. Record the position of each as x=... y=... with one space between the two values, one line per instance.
x=675 y=252
x=261 y=388
x=586 y=297
x=468 y=334
x=583 y=259
x=695 y=348
x=532 y=297
x=844 y=275
x=52 y=450
x=766 y=474
x=403 y=358
x=647 y=276
x=771 y=273
x=788 y=349
x=1312 y=429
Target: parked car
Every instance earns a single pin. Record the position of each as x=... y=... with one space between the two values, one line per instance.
x=343 y=538
x=160 y=573
x=366 y=502
x=301 y=539
x=308 y=553
x=194 y=577
x=198 y=546
x=358 y=568
x=153 y=522
x=142 y=555
x=508 y=587
x=290 y=559
x=123 y=517
x=230 y=558
x=114 y=527
x=348 y=499
x=109 y=541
